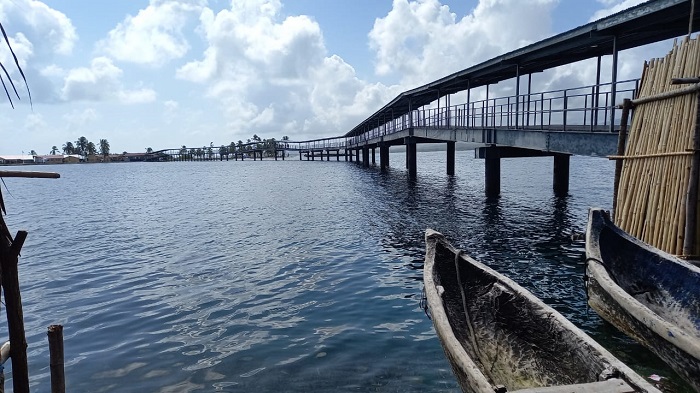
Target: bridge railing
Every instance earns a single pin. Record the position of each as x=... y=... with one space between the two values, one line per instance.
x=580 y=108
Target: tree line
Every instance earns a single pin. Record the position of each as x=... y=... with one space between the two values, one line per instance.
x=268 y=146
x=83 y=147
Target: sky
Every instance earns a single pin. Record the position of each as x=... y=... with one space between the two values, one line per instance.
x=167 y=73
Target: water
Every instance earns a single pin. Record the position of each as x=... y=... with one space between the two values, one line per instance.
x=282 y=276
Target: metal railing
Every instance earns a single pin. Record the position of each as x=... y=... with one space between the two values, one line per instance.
x=586 y=108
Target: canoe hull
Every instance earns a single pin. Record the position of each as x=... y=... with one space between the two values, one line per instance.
x=495 y=333
x=651 y=296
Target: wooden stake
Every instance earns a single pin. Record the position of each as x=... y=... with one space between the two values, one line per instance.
x=9 y=251
x=58 y=381
x=621 y=141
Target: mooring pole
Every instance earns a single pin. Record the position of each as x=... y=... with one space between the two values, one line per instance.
x=58 y=380
x=691 y=204
x=621 y=141
x=9 y=252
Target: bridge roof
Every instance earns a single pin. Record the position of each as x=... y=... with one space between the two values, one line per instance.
x=649 y=22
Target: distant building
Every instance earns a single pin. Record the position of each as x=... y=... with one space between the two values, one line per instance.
x=49 y=159
x=72 y=158
x=135 y=157
x=17 y=159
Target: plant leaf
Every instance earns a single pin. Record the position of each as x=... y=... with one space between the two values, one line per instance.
x=7 y=40
x=9 y=99
x=10 y=79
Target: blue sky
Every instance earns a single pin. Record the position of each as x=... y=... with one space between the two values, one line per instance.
x=167 y=73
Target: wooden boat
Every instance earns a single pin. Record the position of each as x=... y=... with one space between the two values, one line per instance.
x=499 y=337
x=652 y=296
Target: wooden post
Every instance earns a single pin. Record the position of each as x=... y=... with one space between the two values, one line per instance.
x=9 y=251
x=621 y=141
x=58 y=380
x=691 y=204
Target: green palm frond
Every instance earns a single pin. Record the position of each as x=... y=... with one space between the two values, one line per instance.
x=7 y=74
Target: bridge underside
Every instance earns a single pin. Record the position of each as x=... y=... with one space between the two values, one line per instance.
x=497 y=143
x=583 y=143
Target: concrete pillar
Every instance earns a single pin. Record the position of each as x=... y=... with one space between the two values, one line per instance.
x=384 y=156
x=451 y=158
x=357 y=155
x=561 y=174
x=365 y=156
x=492 y=165
x=374 y=160
x=411 y=156
x=299 y=155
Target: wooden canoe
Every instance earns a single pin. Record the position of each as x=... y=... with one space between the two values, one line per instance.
x=652 y=296
x=499 y=337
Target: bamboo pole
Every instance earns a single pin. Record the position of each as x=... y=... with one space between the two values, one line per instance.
x=58 y=381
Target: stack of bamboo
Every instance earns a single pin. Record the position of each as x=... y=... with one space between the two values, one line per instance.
x=655 y=179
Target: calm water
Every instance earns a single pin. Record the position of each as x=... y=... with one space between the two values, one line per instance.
x=281 y=276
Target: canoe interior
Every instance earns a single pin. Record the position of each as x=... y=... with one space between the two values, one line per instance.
x=667 y=286
x=516 y=340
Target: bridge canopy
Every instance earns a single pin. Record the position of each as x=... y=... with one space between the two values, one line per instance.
x=646 y=23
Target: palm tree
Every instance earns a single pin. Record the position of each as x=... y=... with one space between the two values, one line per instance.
x=32 y=153
x=68 y=148
x=81 y=145
x=54 y=150
x=104 y=147
x=149 y=150
x=91 y=149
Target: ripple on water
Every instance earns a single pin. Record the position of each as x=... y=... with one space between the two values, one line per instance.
x=289 y=276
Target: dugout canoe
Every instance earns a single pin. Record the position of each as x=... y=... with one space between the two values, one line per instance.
x=651 y=296
x=498 y=337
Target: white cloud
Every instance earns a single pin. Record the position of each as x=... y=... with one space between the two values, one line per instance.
x=34 y=122
x=614 y=6
x=273 y=75
x=46 y=31
x=102 y=82
x=77 y=119
x=154 y=36
x=423 y=40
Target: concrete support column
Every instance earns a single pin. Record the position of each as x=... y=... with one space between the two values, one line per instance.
x=349 y=155
x=561 y=174
x=374 y=160
x=492 y=165
x=451 y=158
x=365 y=156
x=384 y=156
x=411 y=156
x=357 y=155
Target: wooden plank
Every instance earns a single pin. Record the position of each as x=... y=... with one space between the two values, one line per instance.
x=42 y=175
x=612 y=385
